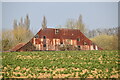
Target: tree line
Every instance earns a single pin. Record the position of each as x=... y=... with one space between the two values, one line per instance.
x=74 y=24
x=106 y=38
x=104 y=31
x=20 y=33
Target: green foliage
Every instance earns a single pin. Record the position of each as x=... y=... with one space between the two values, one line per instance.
x=80 y=64
x=106 y=42
x=18 y=75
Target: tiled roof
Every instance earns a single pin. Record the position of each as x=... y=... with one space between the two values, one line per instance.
x=63 y=33
x=18 y=46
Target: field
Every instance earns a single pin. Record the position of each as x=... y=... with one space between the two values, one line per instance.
x=60 y=64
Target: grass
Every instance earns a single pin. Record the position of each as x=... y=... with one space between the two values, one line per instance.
x=60 y=64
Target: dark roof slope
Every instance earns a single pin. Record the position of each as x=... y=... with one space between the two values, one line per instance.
x=18 y=46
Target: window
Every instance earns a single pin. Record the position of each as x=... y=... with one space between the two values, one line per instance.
x=94 y=46
x=44 y=37
x=56 y=31
x=85 y=43
x=36 y=36
x=61 y=43
x=78 y=46
x=78 y=39
x=44 y=45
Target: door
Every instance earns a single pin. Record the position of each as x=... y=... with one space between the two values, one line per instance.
x=44 y=42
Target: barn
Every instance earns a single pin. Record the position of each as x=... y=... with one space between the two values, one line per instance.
x=51 y=39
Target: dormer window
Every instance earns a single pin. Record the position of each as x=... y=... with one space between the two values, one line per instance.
x=36 y=36
x=85 y=43
x=56 y=31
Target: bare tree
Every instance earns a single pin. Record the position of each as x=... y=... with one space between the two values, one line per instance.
x=80 y=25
x=44 y=23
x=70 y=24
x=76 y=24
x=14 y=23
x=27 y=22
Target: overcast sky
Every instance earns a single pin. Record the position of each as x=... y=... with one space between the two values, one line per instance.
x=95 y=14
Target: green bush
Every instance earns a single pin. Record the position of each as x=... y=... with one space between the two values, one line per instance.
x=106 y=42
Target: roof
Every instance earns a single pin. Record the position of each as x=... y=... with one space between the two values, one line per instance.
x=63 y=33
x=18 y=46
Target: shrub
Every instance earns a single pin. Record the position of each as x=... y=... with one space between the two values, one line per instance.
x=106 y=42
x=67 y=47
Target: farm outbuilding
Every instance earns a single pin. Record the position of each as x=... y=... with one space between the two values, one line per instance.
x=53 y=39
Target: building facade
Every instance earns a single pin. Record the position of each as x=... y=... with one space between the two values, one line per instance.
x=51 y=39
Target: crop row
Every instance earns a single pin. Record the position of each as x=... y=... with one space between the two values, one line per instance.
x=61 y=64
